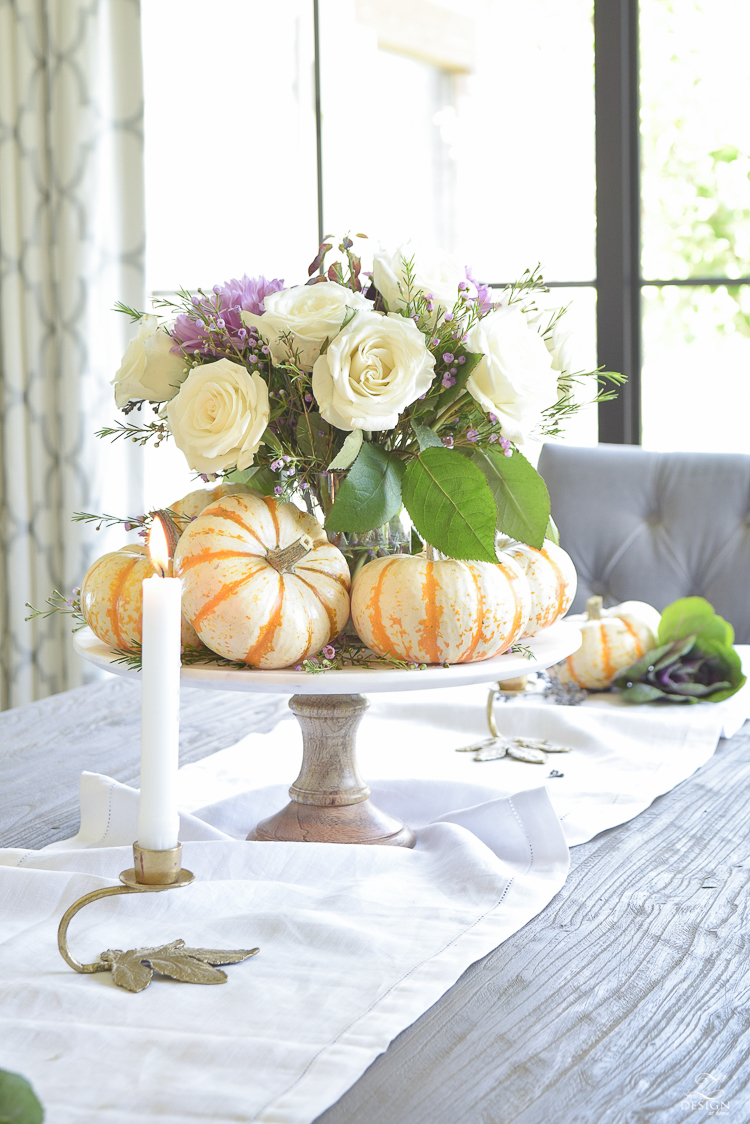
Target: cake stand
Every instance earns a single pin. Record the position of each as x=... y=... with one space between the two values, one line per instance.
x=329 y=800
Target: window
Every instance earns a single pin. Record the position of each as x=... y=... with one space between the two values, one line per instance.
x=695 y=135
x=474 y=124
x=673 y=148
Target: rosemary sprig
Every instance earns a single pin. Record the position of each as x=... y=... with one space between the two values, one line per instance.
x=133 y=313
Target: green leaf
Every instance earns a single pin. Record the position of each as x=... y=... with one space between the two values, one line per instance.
x=520 y=494
x=310 y=443
x=426 y=437
x=270 y=439
x=453 y=393
x=694 y=616
x=241 y=475
x=18 y=1101
x=641 y=666
x=732 y=665
x=552 y=532
x=348 y=452
x=371 y=493
x=450 y=504
x=644 y=693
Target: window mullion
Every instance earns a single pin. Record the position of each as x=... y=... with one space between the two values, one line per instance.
x=618 y=213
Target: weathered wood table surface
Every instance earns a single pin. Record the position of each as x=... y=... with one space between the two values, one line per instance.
x=627 y=1001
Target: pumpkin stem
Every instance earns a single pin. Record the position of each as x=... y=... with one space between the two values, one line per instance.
x=429 y=552
x=287 y=558
x=594 y=608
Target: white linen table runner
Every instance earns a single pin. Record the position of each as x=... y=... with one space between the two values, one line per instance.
x=356 y=942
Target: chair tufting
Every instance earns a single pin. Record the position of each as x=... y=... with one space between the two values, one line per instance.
x=654 y=526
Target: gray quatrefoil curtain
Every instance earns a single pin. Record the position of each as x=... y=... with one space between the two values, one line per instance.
x=71 y=243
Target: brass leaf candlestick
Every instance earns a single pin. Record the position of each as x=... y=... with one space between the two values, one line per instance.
x=133 y=970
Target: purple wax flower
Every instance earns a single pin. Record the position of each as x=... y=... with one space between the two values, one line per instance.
x=329 y=652
x=278 y=490
x=493 y=438
x=454 y=370
x=233 y=298
x=449 y=316
x=447 y=357
x=472 y=434
x=435 y=342
x=276 y=465
x=462 y=359
x=448 y=441
x=448 y=381
x=128 y=526
x=493 y=418
x=308 y=398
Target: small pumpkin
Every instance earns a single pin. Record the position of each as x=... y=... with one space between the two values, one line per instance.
x=424 y=611
x=184 y=510
x=612 y=639
x=552 y=579
x=112 y=598
x=261 y=582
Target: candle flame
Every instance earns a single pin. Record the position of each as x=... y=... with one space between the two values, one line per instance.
x=158 y=546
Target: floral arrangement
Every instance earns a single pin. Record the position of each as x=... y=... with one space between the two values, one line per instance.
x=358 y=393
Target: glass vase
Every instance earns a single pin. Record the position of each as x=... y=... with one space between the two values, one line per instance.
x=393 y=537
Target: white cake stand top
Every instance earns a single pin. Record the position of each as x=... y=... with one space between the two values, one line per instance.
x=547 y=647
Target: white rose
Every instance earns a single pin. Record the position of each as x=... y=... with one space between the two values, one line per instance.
x=515 y=379
x=149 y=369
x=219 y=416
x=560 y=347
x=372 y=370
x=559 y=342
x=310 y=314
x=435 y=272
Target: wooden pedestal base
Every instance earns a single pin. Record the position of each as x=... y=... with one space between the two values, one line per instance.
x=329 y=798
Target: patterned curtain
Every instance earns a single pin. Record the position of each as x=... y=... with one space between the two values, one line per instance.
x=71 y=243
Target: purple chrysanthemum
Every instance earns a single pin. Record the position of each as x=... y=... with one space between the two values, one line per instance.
x=217 y=318
x=483 y=293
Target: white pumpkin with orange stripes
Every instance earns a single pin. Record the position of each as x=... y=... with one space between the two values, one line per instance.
x=184 y=510
x=112 y=598
x=552 y=580
x=443 y=611
x=261 y=582
x=611 y=640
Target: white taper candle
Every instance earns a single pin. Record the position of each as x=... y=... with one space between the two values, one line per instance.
x=158 y=819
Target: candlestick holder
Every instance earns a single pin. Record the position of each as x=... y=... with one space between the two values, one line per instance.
x=152 y=872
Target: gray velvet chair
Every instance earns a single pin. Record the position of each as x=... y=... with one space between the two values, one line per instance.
x=654 y=526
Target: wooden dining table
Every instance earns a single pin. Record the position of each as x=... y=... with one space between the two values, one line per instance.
x=625 y=1001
